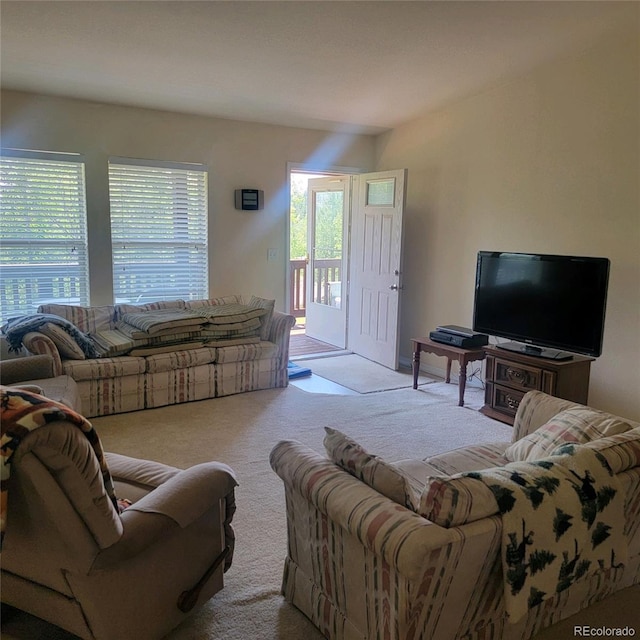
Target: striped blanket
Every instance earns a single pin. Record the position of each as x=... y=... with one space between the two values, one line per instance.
x=20 y=413
x=16 y=328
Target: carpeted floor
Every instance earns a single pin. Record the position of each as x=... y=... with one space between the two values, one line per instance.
x=241 y=430
x=362 y=375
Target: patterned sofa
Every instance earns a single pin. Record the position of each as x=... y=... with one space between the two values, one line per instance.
x=446 y=547
x=171 y=366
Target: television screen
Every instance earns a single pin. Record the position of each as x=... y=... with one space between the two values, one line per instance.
x=541 y=300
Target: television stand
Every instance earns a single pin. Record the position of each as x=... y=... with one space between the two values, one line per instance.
x=538 y=352
x=509 y=375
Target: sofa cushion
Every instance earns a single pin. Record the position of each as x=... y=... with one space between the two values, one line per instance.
x=113 y=342
x=244 y=329
x=67 y=346
x=372 y=470
x=87 y=319
x=577 y=425
x=269 y=305
x=456 y=500
x=121 y=309
x=230 y=313
x=210 y=302
x=450 y=463
x=244 y=349
x=96 y=368
x=153 y=322
x=179 y=359
x=621 y=451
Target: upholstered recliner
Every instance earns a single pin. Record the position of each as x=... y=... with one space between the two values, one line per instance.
x=70 y=558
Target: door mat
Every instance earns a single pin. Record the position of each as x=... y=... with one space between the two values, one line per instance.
x=362 y=375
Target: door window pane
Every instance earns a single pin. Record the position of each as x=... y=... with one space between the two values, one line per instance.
x=380 y=192
x=327 y=249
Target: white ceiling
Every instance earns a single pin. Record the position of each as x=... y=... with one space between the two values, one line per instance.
x=358 y=66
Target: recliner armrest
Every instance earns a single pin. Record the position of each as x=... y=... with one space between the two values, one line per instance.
x=175 y=504
x=187 y=495
x=16 y=370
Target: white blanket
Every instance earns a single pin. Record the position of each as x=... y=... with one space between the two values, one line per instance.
x=562 y=519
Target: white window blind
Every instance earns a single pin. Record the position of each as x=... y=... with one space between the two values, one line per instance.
x=158 y=230
x=43 y=231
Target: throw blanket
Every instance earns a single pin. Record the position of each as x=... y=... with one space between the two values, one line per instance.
x=562 y=519
x=16 y=328
x=20 y=413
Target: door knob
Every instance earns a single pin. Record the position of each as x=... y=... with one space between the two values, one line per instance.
x=394 y=287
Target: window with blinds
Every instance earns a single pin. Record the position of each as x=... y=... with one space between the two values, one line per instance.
x=158 y=230
x=43 y=231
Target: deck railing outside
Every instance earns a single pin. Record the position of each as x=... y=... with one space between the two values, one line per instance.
x=326 y=272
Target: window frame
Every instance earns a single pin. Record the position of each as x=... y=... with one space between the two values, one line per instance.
x=57 y=202
x=176 y=234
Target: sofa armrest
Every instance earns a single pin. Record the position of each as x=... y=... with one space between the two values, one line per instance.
x=536 y=409
x=174 y=505
x=404 y=539
x=279 y=333
x=39 y=344
x=26 y=368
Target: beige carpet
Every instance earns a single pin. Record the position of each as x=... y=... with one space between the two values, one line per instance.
x=241 y=430
x=362 y=375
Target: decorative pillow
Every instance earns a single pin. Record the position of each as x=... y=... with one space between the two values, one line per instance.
x=621 y=451
x=269 y=305
x=66 y=345
x=372 y=470
x=454 y=500
x=576 y=426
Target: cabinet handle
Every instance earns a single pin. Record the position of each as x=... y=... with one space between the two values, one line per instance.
x=512 y=402
x=517 y=375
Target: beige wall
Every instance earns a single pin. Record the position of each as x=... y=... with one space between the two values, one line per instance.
x=238 y=154
x=547 y=163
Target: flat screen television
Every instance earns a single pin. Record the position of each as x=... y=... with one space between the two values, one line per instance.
x=552 y=306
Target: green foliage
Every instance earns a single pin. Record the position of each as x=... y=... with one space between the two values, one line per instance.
x=329 y=219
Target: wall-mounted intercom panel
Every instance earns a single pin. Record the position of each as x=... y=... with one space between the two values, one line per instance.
x=249 y=199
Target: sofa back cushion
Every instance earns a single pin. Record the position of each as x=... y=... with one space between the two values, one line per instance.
x=370 y=469
x=87 y=319
x=577 y=426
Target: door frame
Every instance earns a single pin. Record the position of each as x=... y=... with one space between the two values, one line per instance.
x=309 y=167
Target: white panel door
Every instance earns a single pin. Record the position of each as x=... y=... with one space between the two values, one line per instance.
x=376 y=265
x=328 y=204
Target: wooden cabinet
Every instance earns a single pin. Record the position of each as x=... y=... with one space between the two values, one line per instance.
x=509 y=375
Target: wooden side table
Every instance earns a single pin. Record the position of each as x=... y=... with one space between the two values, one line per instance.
x=463 y=356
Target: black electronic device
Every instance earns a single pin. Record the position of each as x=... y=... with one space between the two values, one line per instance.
x=474 y=341
x=551 y=305
x=456 y=329
x=249 y=199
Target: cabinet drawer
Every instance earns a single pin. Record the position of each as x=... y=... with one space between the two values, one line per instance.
x=506 y=400
x=518 y=376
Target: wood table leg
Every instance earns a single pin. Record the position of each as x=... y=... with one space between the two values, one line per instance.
x=448 y=378
x=416 y=364
x=462 y=380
